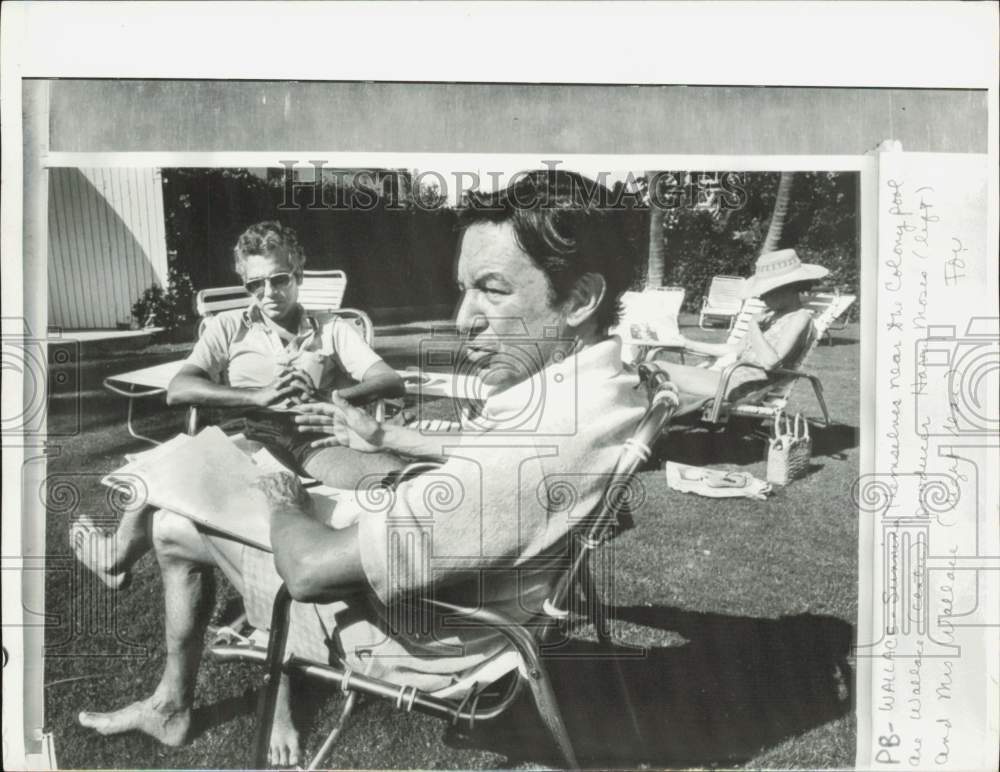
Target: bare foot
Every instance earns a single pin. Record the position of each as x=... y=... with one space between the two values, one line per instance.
x=284 y=750
x=168 y=725
x=96 y=549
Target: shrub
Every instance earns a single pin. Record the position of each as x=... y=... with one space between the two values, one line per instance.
x=169 y=308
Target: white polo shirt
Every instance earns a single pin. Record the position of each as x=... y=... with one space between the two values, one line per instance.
x=243 y=348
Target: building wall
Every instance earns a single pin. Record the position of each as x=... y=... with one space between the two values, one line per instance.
x=106 y=244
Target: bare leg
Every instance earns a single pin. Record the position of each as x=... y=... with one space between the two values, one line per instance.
x=345 y=468
x=692 y=381
x=187 y=591
x=188 y=585
x=111 y=556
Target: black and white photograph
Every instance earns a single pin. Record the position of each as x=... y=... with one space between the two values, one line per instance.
x=722 y=396
x=366 y=423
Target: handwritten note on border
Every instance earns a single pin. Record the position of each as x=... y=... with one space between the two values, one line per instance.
x=928 y=655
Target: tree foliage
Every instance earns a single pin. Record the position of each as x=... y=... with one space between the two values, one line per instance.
x=821 y=225
x=398 y=245
x=167 y=307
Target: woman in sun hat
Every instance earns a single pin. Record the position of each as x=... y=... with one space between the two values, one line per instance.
x=775 y=337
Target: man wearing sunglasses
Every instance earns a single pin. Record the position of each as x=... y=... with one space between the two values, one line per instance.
x=259 y=359
x=275 y=354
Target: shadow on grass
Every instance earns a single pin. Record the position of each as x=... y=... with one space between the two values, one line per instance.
x=206 y=717
x=835 y=340
x=742 y=443
x=739 y=685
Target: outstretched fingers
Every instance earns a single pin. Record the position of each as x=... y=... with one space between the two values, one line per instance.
x=318 y=417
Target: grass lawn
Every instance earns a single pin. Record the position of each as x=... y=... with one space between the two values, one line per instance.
x=735 y=617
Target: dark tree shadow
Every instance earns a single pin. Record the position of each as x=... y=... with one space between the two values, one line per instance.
x=835 y=340
x=742 y=442
x=738 y=685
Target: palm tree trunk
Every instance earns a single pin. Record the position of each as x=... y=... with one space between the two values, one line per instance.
x=657 y=249
x=656 y=266
x=773 y=238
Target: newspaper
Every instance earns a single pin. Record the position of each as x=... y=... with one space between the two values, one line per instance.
x=210 y=480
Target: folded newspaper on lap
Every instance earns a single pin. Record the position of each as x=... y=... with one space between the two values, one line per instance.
x=208 y=479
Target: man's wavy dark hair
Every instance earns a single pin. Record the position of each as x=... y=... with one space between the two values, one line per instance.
x=569 y=225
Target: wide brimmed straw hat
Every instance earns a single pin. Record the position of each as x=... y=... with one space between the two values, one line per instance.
x=776 y=269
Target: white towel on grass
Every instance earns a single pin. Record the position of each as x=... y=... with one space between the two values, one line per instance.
x=715 y=483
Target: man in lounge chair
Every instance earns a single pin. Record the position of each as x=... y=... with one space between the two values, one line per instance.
x=541 y=268
x=260 y=359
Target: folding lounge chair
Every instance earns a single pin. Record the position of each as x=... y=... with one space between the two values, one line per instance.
x=142 y=384
x=769 y=401
x=322 y=290
x=525 y=642
x=818 y=300
x=723 y=300
x=153 y=381
x=737 y=332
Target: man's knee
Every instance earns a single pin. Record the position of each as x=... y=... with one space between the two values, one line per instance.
x=172 y=532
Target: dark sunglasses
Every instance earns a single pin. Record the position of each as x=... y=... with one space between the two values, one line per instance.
x=278 y=281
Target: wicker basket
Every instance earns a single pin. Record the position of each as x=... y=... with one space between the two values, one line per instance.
x=789 y=449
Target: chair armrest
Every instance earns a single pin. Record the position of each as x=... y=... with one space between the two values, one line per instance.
x=723 y=388
x=517 y=634
x=151 y=391
x=682 y=350
x=786 y=373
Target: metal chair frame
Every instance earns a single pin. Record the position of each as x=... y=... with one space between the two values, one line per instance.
x=770 y=401
x=527 y=640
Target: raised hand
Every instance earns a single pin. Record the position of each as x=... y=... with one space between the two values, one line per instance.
x=347 y=425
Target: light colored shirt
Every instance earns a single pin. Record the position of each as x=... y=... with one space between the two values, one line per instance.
x=490 y=526
x=244 y=348
x=746 y=380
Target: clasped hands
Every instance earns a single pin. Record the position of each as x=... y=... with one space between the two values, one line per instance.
x=291 y=386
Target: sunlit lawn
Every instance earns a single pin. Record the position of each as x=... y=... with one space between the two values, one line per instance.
x=735 y=618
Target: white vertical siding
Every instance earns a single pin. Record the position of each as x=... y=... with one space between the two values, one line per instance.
x=107 y=244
